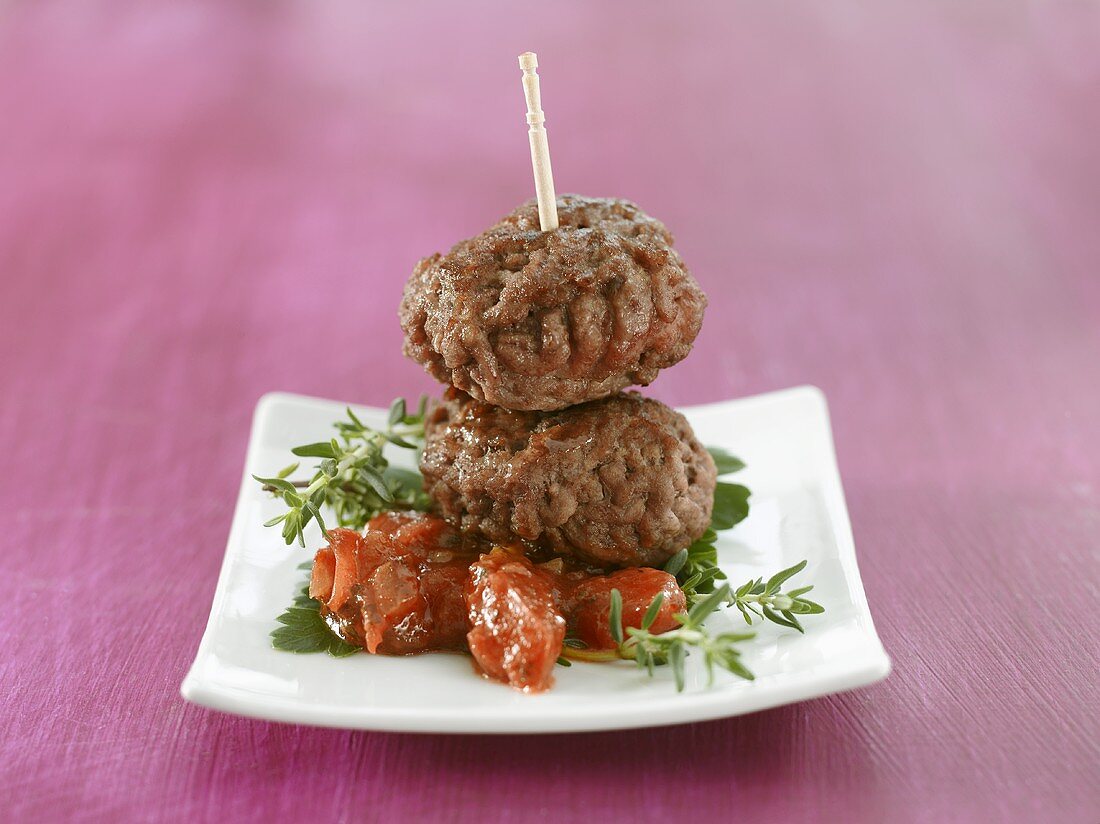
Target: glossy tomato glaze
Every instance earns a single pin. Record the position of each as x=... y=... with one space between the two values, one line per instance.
x=516 y=624
x=413 y=583
x=520 y=612
x=397 y=589
x=588 y=603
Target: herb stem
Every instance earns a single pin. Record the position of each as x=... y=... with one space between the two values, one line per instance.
x=592 y=655
x=778 y=601
x=397 y=506
x=353 y=480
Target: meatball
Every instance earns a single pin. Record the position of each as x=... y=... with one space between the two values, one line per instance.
x=533 y=320
x=620 y=481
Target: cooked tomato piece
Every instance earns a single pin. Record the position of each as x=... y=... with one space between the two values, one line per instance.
x=516 y=627
x=398 y=588
x=335 y=569
x=323 y=578
x=443 y=585
x=413 y=583
x=588 y=603
x=345 y=546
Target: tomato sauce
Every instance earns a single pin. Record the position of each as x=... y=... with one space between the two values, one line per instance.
x=398 y=588
x=516 y=626
x=413 y=583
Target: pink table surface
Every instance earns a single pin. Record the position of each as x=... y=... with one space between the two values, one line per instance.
x=900 y=203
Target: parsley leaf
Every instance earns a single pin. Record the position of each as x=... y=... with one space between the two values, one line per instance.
x=304 y=630
x=727 y=464
x=731 y=505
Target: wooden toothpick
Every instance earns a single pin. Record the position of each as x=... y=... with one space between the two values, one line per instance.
x=540 y=149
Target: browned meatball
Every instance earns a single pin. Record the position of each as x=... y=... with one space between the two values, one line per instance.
x=535 y=320
x=619 y=481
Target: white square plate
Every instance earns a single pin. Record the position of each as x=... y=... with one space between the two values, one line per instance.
x=797 y=512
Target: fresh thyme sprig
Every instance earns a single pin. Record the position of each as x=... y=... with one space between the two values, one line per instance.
x=755 y=598
x=649 y=650
x=354 y=478
x=765 y=600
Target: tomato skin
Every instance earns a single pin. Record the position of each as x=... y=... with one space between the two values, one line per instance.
x=589 y=603
x=348 y=567
x=516 y=627
x=398 y=588
x=413 y=583
x=323 y=578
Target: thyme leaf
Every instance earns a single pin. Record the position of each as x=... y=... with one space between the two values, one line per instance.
x=672 y=648
x=353 y=480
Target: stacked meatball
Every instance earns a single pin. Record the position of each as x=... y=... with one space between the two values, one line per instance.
x=538 y=333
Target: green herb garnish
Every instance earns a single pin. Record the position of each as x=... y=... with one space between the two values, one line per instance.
x=696 y=568
x=304 y=630
x=765 y=600
x=649 y=650
x=727 y=464
x=353 y=478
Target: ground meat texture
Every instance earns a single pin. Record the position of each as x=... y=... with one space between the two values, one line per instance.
x=516 y=626
x=533 y=320
x=617 y=482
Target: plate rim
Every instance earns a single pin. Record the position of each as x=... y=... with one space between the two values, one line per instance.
x=869 y=668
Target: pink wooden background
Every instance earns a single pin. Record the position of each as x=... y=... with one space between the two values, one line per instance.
x=898 y=202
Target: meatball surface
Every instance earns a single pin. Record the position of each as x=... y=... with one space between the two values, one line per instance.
x=620 y=481
x=534 y=320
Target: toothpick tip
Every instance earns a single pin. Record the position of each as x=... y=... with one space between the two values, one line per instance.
x=528 y=60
